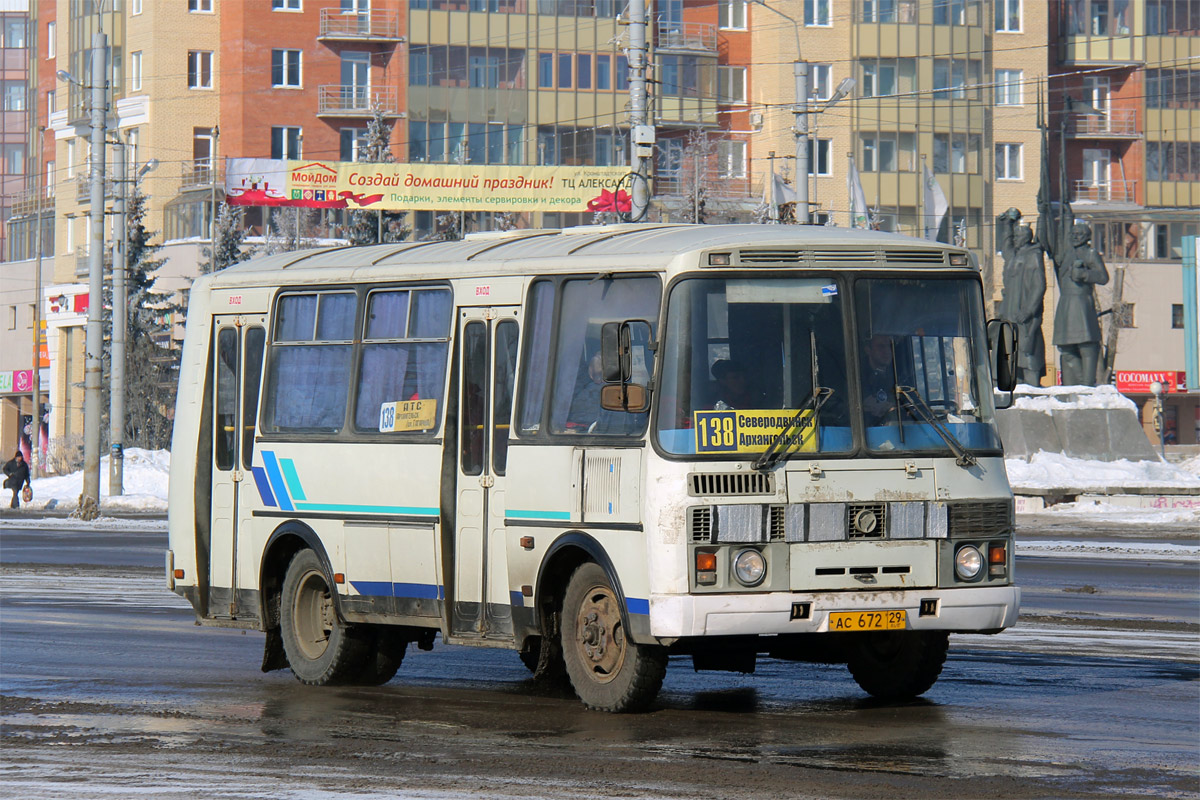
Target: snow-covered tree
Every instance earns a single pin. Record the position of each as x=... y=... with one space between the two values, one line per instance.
x=229 y=236
x=367 y=226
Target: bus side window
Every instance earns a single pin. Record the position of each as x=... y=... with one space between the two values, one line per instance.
x=226 y=402
x=254 y=342
x=502 y=392
x=537 y=356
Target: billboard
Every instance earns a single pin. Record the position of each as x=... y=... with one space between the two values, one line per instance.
x=401 y=187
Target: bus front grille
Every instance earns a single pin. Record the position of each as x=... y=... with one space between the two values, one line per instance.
x=700 y=523
x=730 y=483
x=988 y=518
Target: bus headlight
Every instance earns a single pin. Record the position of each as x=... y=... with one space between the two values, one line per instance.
x=749 y=567
x=968 y=561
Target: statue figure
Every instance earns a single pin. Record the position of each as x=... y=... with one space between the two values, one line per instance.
x=1076 y=322
x=1024 y=291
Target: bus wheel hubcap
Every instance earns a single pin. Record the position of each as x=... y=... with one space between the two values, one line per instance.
x=601 y=634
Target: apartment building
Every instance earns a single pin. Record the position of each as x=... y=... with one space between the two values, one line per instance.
x=954 y=85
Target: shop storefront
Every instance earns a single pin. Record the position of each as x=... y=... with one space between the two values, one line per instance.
x=1181 y=408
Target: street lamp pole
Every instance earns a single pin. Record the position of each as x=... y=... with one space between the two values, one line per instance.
x=120 y=314
x=35 y=432
x=1156 y=388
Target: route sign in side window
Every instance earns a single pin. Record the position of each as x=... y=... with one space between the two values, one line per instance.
x=402 y=368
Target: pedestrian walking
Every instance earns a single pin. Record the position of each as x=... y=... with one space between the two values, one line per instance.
x=16 y=474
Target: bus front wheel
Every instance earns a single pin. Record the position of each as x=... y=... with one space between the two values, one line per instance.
x=898 y=665
x=320 y=648
x=608 y=671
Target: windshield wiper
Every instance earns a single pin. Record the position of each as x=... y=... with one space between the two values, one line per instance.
x=786 y=438
x=820 y=394
x=917 y=406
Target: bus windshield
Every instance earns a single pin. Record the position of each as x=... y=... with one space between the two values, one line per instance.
x=923 y=365
x=741 y=360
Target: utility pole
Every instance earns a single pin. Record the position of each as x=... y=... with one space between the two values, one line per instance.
x=89 y=501
x=212 y=174
x=800 y=130
x=641 y=143
x=35 y=433
x=120 y=325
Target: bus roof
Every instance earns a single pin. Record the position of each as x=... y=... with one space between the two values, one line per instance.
x=623 y=247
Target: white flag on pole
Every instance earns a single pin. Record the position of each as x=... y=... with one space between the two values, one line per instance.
x=935 y=204
x=783 y=193
x=859 y=216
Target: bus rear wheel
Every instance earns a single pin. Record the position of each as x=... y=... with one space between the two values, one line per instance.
x=320 y=648
x=898 y=665
x=608 y=671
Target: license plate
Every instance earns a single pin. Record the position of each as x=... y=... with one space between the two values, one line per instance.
x=867 y=621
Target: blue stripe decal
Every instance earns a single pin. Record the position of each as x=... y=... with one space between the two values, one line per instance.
x=424 y=591
x=513 y=513
x=373 y=588
x=276 y=479
x=351 y=508
x=637 y=606
x=517 y=599
x=264 y=487
x=293 y=480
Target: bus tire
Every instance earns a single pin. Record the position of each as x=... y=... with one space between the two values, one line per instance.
x=384 y=657
x=320 y=648
x=898 y=665
x=608 y=671
x=542 y=656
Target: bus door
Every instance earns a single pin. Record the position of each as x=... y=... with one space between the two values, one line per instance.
x=487 y=343
x=237 y=358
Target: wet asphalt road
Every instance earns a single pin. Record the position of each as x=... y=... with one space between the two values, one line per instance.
x=108 y=690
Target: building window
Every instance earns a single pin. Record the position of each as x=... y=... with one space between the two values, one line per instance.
x=545 y=70
x=955 y=12
x=1008 y=87
x=955 y=78
x=1176 y=315
x=731 y=14
x=603 y=72
x=353 y=144
x=818 y=156
x=72 y=151
x=731 y=155
x=285 y=68
x=564 y=70
x=622 y=74
x=202 y=6
x=135 y=7
x=819 y=81
x=1008 y=162
x=14 y=95
x=135 y=71
x=285 y=5
x=731 y=85
x=957 y=152
x=14 y=159
x=285 y=142
x=583 y=70
x=670 y=158
x=1008 y=16
x=879 y=79
x=199 y=67
x=816 y=12
x=51 y=41
x=51 y=102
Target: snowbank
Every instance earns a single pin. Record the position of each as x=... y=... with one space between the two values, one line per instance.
x=1049 y=399
x=1057 y=471
x=144 y=479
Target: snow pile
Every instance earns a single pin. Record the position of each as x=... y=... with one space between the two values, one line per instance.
x=1191 y=466
x=1099 y=511
x=1057 y=471
x=1061 y=398
x=1124 y=549
x=144 y=480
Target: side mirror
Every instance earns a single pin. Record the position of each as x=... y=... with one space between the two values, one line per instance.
x=614 y=352
x=1002 y=343
x=631 y=397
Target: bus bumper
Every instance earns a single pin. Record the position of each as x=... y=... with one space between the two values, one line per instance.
x=985 y=608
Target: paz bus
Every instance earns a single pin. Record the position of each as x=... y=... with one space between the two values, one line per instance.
x=598 y=447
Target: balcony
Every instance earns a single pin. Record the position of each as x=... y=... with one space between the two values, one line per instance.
x=688 y=37
x=1113 y=125
x=1087 y=191
x=83 y=262
x=334 y=100
x=83 y=188
x=367 y=26
x=199 y=173
x=26 y=203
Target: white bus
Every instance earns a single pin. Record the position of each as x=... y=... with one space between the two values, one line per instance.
x=598 y=447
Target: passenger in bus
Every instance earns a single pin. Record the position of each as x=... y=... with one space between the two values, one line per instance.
x=878 y=381
x=586 y=415
x=733 y=387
